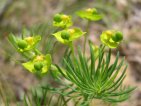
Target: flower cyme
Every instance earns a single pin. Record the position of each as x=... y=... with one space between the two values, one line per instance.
x=90 y=14
x=62 y=20
x=27 y=43
x=111 y=38
x=40 y=64
x=68 y=35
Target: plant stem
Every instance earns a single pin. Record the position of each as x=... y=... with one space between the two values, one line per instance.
x=72 y=49
x=37 y=51
x=85 y=101
x=86 y=36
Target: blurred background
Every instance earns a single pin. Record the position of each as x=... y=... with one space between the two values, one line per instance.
x=123 y=15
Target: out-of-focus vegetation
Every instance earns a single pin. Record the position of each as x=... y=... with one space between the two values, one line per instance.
x=37 y=15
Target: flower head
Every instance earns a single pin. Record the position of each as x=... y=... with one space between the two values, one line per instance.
x=111 y=38
x=40 y=64
x=27 y=43
x=62 y=20
x=68 y=35
x=90 y=14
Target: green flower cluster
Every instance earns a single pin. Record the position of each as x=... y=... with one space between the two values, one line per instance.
x=27 y=43
x=37 y=62
x=111 y=38
x=68 y=35
x=62 y=20
x=90 y=14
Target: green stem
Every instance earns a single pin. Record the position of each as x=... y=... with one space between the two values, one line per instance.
x=72 y=49
x=37 y=51
x=85 y=101
x=86 y=36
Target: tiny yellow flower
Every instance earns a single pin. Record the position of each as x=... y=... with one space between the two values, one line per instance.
x=72 y=31
x=65 y=17
x=39 y=58
x=89 y=10
x=29 y=40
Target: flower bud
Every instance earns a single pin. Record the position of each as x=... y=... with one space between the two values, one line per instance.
x=38 y=65
x=117 y=37
x=57 y=18
x=65 y=35
x=22 y=44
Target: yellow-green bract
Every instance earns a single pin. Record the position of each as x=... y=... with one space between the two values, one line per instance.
x=68 y=35
x=90 y=14
x=111 y=38
x=62 y=20
x=40 y=64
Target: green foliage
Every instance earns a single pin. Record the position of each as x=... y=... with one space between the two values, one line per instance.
x=44 y=97
x=99 y=81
